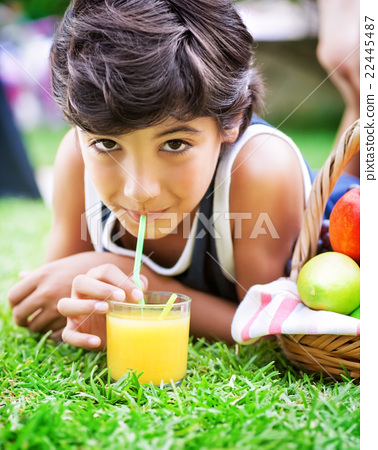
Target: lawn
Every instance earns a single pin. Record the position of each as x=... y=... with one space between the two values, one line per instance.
x=57 y=396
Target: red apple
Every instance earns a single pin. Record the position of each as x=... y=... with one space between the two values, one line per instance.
x=344 y=225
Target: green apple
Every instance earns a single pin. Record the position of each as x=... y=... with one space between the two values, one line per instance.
x=356 y=313
x=331 y=282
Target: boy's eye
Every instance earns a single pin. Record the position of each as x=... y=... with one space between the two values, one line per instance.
x=105 y=145
x=175 y=145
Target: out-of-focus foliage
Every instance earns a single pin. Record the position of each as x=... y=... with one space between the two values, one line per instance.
x=36 y=9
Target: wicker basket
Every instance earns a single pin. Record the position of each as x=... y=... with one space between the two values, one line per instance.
x=326 y=354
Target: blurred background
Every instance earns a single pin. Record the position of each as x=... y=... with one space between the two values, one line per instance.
x=300 y=100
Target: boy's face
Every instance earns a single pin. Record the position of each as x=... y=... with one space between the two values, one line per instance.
x=162 y=171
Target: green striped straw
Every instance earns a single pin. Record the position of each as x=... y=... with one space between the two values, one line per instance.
x=168 y=306
x=138 y=253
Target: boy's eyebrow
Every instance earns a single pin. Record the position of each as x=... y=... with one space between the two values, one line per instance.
x=177 y=129
x=174 y=129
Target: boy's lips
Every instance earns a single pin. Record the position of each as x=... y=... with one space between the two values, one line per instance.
x=151 y=215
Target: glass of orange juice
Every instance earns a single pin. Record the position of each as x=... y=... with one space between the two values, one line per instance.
x=140 y=338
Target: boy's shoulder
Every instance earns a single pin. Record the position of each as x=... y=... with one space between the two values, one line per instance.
x=264 y=158
x=69 y=168
x=265 y=169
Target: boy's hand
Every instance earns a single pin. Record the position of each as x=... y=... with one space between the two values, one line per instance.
x=34 y=299
x=85 y=310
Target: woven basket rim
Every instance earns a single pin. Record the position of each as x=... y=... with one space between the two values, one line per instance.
x=327 y=354
x=306 y=244
x=314 y=359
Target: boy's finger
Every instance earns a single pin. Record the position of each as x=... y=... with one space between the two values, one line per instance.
x=25 y=310
x=21 y=290
x=84 y=286
x=46 y=321
x=108 y=273
x=57 y=335
x=38 y=321
x=84 y=340
x=70 y=307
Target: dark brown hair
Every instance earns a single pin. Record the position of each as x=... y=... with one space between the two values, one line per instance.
x=121 y=65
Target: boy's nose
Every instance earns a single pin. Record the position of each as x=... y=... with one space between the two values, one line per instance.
x=142 y=185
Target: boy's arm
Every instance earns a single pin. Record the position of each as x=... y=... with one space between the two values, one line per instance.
x=211 y=316
x=270 y=177
x=35 y=297
x=68 y=202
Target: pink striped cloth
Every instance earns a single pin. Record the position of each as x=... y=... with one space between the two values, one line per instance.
x=276 y=308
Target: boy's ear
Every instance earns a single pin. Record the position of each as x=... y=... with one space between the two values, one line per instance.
x=231 y=134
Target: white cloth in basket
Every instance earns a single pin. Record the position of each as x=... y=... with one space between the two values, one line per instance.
x=276 y=308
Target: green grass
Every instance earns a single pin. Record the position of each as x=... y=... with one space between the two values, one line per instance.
x=42 y=143
x=315 y=145
x=57 y=396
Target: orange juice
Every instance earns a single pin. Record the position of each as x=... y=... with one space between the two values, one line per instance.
x=137 y=339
